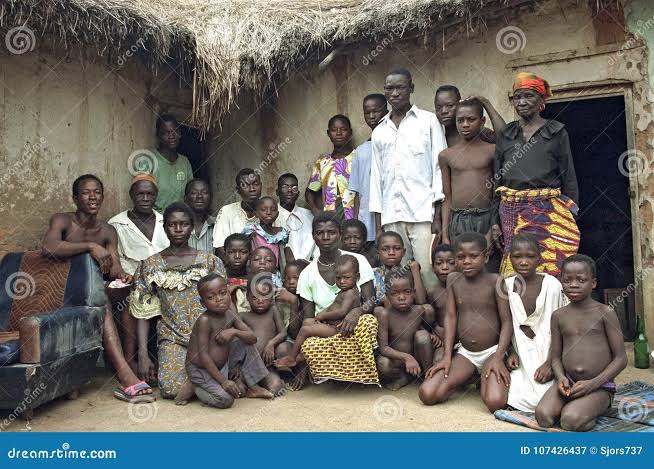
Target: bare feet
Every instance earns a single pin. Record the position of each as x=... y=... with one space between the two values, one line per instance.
x=398 y=383
x=185 y=393
x=257 y=392
x=274 y=384
x=286 y=362
x=300 y=380
x=242 y=387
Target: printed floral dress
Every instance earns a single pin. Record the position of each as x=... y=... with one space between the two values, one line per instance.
x=332 y=176
x=170 y=292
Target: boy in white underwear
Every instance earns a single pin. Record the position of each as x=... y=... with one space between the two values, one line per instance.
x=478 y=314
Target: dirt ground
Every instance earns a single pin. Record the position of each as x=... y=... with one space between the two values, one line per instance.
x=329 y=407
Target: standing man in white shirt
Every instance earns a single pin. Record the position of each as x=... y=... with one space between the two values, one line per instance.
x=406 y=188
x=297 y=220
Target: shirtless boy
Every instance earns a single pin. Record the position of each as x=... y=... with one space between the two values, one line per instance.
x=325 y=323
x=74 y=233
x=442 y=264
x=220 y=341
x=288 y=301
x=465 y=167
x=266 y=322
x=587 y=353
x=390 y=250
x=478 y=314
x=237 y=254
x=399 y=332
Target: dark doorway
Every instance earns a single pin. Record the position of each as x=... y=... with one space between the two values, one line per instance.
x=194 y=148
x=598 y=136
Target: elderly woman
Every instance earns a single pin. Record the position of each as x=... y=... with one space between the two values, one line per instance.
x=535 y=183
x=165 y=284
x=347 y=356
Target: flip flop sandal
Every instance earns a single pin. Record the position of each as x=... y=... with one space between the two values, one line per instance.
x=130 y=394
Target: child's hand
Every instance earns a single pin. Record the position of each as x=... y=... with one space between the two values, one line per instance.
x=496 y=365
x=564 y=387
x=513 y=362
x=411 y=366
x=496 y=236
x=444 y=365
x=581 y=388
x=268 y=354
x=435 y=340
x=231 y=387
x=414 y=266
x=543 y=374
x=232 y=288
x=224 y=337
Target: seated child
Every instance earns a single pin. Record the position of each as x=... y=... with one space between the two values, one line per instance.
x=353 y=239
x=221 y=341
x=288 y=301
x=442 y=263
x=324 y=324
x=587 y=353
x=390 y=250
x=265 y=234
x=266 y=322
x=399 y=331
x=236 y=255
x=262 y=259
x=478 y=314
x=533 y=297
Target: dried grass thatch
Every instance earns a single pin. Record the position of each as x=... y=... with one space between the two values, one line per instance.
x=229 y=46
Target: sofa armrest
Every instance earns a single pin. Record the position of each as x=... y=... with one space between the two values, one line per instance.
x=61 y=333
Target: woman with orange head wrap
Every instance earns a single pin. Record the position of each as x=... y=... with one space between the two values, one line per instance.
x=535 y=182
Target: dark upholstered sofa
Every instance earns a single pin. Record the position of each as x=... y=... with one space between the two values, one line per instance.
x=51 y=316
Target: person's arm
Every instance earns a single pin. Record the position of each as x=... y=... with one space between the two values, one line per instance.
x=449 y=324
x=313 y=192
x=56 y=247
x=496 y=230
x=496 y=119
x=386 y=350
x=240 y=330
x=438 y=144
x=421 y=293
x=375 y=197
x=279 y=327
x=354 y=187
x=351 y=319
x=556 y=352
x=496 y=365
x=569 y=186
x=112 y=246
x=202 y=332
x=220 y=229
x=447 y=192
x=337 y=311
x=616 y=365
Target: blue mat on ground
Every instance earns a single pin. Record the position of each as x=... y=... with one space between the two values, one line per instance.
x=632 y=411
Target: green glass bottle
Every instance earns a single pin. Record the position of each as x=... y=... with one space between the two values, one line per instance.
x=641 y=350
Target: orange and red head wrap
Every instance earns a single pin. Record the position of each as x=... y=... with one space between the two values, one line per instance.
x=526 y=80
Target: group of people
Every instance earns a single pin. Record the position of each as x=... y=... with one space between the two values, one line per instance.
x=437 y=251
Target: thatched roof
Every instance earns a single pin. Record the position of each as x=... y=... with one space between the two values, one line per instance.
x=225 y=47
